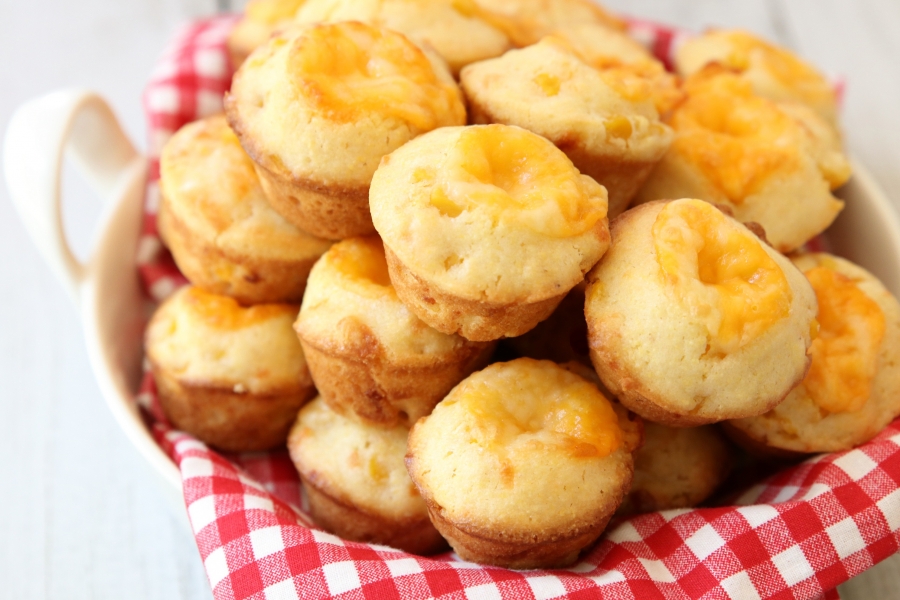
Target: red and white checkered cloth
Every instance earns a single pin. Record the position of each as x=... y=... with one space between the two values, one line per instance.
x=796 y=535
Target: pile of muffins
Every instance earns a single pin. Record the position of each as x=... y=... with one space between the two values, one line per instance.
x=413 y=260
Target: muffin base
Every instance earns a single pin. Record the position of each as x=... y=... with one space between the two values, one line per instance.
x=475 y=320
x=516 y=552
x=383 y=392
x=230 y=421
x=327 y=211
x=417 y=536
x=249 y=280
x=637 y=398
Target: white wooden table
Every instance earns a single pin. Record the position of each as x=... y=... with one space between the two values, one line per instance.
x=79 y=518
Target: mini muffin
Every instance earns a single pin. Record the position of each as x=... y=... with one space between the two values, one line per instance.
x=522 y=464
x=562 y=337
x=774 y=73
x=603 y=116
x=676 y=468
x=260 y=20
x=527 y=21
x=852 y=390
x=456 y=29
x=772 y=165
x=460 y=211
x=356 y=481
x=693 y=319
x=215 y=219
x=231 y=376
x=317 y=107
x=367 y=352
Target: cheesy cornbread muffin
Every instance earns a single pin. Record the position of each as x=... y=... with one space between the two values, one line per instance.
x=676 y=467
x=461 y=211
x=260 y=20
x=367 y=352
x=231 y=376
x=527 y=21
x=774 y=72
x=217 y=222
x=693 y=319
x=356 y=480
x=772 y=165
x=457 y=30
x=522 y=464
x=852 y=389
x=602 y=115
x=317 y=107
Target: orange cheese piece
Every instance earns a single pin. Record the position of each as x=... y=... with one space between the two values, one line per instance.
x=224 y=312
x=749 y=51
x=637 y=81
x=721 y=272
x=845 y=352
x=542 y=403
x=362 y=261
x=738 y=140
x=512 y=174
x=349 y=70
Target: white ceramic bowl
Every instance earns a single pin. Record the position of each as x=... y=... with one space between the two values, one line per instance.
x=107 y=289
x=79 y=125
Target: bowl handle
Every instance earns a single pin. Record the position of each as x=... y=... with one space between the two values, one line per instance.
x=74 y=123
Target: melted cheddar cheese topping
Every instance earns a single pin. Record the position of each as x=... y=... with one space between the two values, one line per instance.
x=845 y=352
x=362 y=261
x=721 y=272
x=748 y=52
x=738 y=140
x=634 y=81
x=348 y=70
x=539 y=402
x=225 y=314
x=514 y=175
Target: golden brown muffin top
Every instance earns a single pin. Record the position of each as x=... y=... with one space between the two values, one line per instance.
x=459 y=205
x=774 y=72
x=458 y=30
x=210 y=340
x=349 y=292
x=538 y=402
x=344 y=70
x=623 y=63
x=740 y=140
x=210 y=185
x=721 y=272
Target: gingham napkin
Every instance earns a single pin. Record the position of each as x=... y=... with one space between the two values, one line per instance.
x=796 y=535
